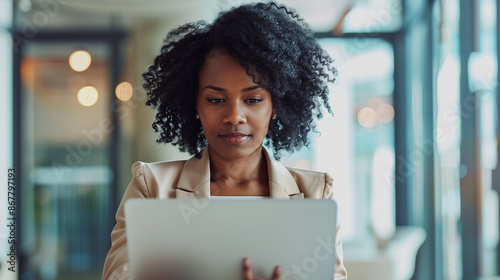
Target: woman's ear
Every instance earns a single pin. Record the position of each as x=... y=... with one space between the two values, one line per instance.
x=274 y=115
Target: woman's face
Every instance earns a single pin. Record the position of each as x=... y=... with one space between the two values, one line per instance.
x=234 y=111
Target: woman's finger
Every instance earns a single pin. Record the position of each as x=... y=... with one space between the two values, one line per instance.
x=276 y=273
x=247 y=269
x=248 y=275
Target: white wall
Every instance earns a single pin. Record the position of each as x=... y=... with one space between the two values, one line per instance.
x=5 y=128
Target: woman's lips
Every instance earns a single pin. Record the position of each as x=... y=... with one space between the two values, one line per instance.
x=235 y=138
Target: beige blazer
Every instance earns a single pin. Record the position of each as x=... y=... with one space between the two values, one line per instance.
x=191 y=179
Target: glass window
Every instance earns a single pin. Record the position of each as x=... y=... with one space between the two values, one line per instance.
x=483 y=67
x=356 y=146
x=374 y=16
x=65 y=149
x=447 y=136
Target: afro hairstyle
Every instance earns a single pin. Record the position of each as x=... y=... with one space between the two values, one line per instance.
x=266 y=37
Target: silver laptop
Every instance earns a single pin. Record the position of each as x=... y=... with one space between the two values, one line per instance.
x=208 y=239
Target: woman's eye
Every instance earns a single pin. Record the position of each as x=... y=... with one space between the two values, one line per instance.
x=215 y=100
x=254 y=100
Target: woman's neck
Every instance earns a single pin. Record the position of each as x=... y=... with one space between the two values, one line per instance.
x=239 y=176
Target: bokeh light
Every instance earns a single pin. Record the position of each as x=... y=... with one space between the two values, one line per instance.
x=80 y=61
x=385 y=113
x=87 y=96
x=367 y=117
x=124 y=91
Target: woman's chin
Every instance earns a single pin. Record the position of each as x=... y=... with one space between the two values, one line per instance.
x=235 y=151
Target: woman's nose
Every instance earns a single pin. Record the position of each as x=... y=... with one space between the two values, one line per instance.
x=234 y=115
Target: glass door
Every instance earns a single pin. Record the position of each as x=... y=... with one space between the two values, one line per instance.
x=66 y=130
x=447 y=135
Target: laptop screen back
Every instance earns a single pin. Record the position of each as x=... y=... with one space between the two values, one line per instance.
x=208 y=239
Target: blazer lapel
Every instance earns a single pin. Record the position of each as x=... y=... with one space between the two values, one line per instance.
x=194 y=180
x=282 y=185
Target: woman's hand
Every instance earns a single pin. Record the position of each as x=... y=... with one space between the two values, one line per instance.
x=248 y=275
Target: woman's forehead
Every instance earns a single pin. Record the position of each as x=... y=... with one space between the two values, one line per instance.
x=223 y=69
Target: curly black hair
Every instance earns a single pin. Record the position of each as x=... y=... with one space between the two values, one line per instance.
x=267 y=37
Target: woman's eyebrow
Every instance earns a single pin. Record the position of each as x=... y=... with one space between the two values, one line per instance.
x=224 y=90
x=215 y=88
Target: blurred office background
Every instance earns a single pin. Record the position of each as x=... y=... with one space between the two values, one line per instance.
x=413 y=144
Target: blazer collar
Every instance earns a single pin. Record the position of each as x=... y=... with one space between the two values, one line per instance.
x=281 y=182
x=194 y=180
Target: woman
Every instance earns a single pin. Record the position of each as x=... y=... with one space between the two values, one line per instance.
x=256 y=75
